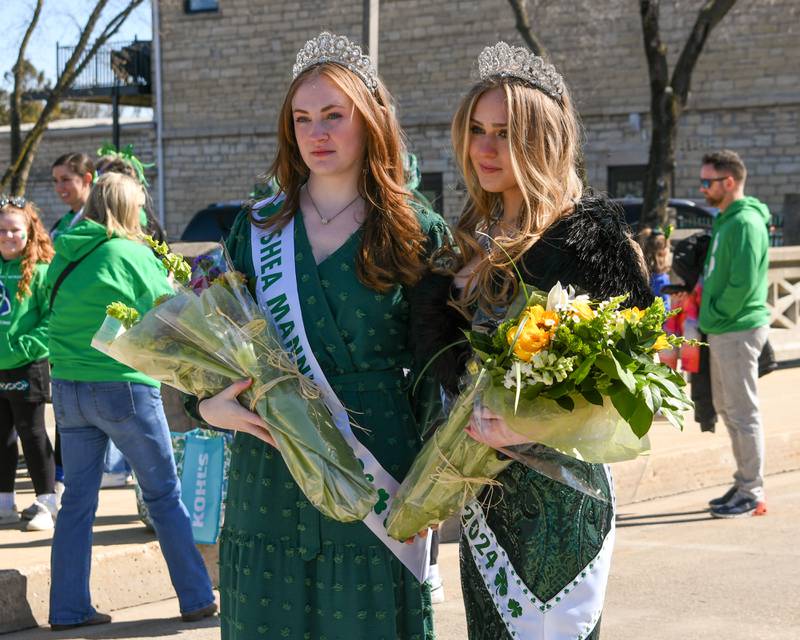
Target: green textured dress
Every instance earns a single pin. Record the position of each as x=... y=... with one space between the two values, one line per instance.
x=286 y=571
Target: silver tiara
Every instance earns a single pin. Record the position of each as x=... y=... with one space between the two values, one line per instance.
x=328 y=47
x=504 y=60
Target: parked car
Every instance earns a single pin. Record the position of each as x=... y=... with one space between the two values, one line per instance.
x=212 y=224
x=688 y=214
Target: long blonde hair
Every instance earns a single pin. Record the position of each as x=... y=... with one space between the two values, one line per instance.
x=544 y=146
x=114 y=203
x=392 y=242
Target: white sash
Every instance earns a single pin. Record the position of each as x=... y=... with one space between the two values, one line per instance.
x=569 y=615
x=276 y=291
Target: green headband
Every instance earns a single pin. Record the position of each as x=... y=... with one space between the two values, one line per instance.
x=127 y=155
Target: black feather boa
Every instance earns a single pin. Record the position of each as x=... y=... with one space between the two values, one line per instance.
x=591 y=249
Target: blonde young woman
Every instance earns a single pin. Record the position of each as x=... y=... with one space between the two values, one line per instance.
x=100 y=260
x=332 y=259
x=516 y=139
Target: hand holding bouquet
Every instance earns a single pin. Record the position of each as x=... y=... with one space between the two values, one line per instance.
x=202 y=343
x=576 y=375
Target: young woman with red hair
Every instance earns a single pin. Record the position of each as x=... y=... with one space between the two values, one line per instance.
x=25 y=251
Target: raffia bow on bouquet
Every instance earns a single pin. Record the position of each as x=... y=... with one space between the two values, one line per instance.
x=200 y=343
x=577 y=376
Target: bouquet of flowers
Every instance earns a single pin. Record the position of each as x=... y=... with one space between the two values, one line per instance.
x=576 y=375
x=202 y=342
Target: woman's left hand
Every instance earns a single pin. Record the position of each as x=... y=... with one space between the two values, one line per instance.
x=487 y=427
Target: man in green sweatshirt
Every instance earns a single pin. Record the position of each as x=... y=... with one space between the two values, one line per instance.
x=734 y=314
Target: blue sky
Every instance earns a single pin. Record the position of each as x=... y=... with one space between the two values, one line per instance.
x=61 y=22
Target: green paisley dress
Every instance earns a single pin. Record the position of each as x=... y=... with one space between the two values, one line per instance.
x=286 y=571
x=549 y=531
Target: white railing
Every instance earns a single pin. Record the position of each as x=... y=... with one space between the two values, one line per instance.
x=783 y=298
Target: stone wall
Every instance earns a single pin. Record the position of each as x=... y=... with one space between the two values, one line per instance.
x=70 y=136
x=225 y=75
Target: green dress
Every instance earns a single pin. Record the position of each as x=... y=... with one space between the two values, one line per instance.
x=286 y=571
x=550 y=532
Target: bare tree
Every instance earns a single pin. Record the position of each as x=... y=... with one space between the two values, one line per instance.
x=23 y=150
x=668 y=96
x=520 y=8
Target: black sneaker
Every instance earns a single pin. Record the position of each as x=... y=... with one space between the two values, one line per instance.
x=741 y=508
x=199 y=614
x=97 y=618
x=724 y=499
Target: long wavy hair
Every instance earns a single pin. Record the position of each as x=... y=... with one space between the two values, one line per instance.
x=392 y=242
x=39 y=248
x=113 y=203
x=544 y=145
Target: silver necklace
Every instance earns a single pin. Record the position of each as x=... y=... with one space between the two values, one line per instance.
x=323 y=219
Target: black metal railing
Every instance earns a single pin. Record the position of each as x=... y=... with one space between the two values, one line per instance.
x=119 y=63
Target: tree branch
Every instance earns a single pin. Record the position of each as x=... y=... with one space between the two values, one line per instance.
x=19 y=80
x=520 y=8
x=707 y=18
x=654 y=48
x=20 y=166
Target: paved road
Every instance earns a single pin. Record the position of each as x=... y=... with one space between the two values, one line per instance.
x=677 y=573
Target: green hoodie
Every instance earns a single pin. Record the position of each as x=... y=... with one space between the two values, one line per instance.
x=23 y=325
x=735 y=279
x=119 y=270
x=62 y=224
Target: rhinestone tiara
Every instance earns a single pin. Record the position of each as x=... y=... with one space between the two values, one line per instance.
x=328 y=47
x=505 y=60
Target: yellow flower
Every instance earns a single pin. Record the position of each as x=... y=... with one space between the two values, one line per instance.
x=662 y=343
x=582 y=309
x=536 y=333
x=632 y=315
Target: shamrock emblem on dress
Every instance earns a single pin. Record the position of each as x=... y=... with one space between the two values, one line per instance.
x=501 y=582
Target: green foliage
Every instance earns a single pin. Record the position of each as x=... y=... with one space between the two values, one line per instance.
x=610 y=354
x=128 y=316
x=174 y=263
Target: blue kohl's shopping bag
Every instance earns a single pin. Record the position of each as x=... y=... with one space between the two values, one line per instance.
x=201 y=484
x=202 y=458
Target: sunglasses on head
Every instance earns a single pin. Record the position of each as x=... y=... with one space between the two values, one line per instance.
x=705 y=183
x=14 y=201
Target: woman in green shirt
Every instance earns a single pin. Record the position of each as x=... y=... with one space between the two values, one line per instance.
x=357 y=242
x=25 y=251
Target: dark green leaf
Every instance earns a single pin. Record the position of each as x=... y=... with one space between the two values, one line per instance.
x=566 y=402
x=593 y=396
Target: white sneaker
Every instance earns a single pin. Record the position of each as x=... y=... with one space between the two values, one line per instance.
x=59 y=492
x=30 y=512
x=42 y=521
x=436 y=585
x=115 y=480
x=9 y=516
x=437 y=593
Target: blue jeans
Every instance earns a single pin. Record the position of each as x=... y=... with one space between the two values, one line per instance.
x=114 y=461
x=88 y=414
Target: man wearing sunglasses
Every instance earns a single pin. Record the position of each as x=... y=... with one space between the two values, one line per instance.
x=734 y=314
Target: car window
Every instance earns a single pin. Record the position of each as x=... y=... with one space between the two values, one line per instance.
x=210 y=225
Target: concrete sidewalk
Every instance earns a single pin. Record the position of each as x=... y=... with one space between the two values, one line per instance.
x=128 y=570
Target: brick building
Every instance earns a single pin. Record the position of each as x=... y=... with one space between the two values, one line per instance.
x=225 y=65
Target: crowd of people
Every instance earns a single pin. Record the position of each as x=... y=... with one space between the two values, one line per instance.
x=383 y=284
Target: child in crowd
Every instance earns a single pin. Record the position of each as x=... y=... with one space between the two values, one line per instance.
x=25 y=251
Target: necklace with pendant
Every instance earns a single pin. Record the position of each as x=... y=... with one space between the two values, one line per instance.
x=322 y=218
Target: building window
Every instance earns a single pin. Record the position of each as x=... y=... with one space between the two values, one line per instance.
x=626 y=181
x=200 y=6
x=431 y=187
